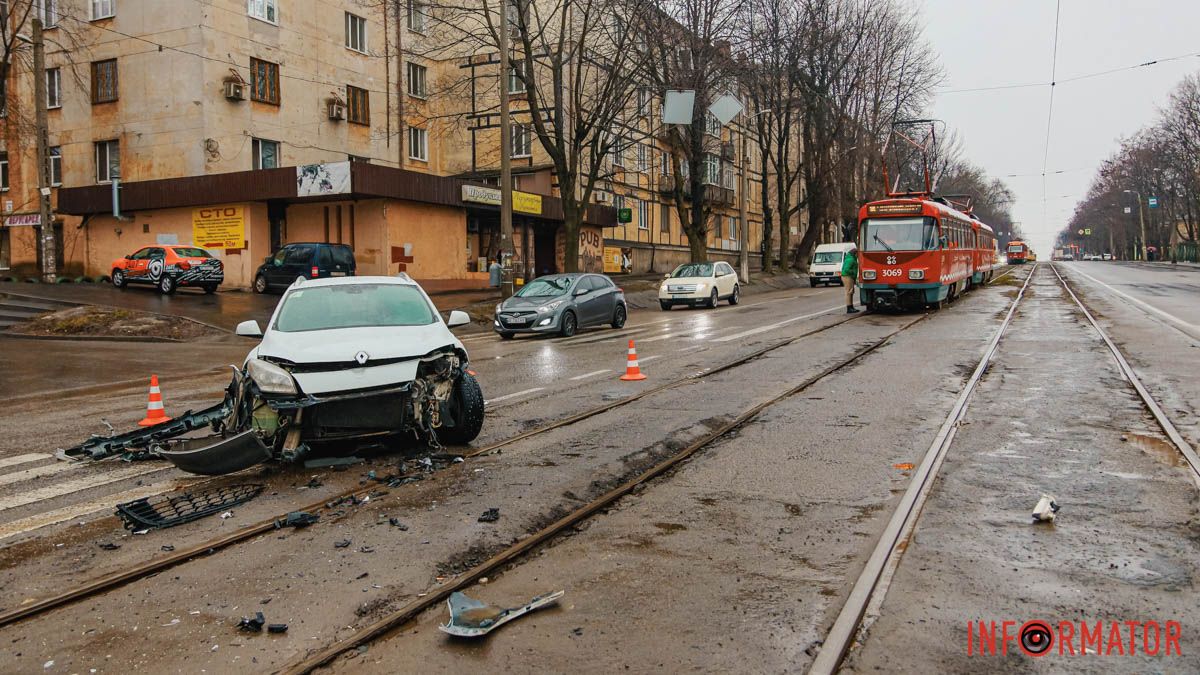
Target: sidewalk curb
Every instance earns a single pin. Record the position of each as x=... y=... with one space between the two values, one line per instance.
x=108 y=386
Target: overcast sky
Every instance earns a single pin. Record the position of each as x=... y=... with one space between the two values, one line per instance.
x=988 y=43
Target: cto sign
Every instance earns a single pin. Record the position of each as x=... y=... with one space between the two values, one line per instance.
x=219 y=227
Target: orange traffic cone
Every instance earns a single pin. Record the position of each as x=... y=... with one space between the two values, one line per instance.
x=154 y=409
x=632 y=372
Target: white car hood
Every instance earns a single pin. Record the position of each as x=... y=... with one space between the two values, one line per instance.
x=341 y=345
x=673 y=281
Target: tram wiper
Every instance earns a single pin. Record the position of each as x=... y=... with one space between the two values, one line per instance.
x=883 y=243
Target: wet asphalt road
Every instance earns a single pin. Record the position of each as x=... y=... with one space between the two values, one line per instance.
x=1169 y=293
x=737 y=561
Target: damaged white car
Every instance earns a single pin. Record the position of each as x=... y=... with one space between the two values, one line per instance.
x=342 y=359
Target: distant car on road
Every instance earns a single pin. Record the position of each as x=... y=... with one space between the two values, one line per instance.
x=311 y=260
x=561 y=303
x=168 y=267
x=1108 y=256
x=700 y=284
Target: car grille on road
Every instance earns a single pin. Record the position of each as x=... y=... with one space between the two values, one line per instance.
x=681 y=288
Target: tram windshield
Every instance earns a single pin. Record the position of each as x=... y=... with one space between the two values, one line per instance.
x=899 y=234
x=1016 y=248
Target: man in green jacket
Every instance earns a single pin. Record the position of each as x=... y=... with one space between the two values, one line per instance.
x=850 y=277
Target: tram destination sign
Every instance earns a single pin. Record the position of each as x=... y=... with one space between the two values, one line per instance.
x=890 y=209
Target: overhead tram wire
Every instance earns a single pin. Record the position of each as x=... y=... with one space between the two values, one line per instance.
x=1050 y=107
x=1076 y=78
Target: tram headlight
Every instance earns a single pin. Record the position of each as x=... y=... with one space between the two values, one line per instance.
x=868 y=275
x=916 y=274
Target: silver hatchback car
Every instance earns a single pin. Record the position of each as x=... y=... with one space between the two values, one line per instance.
x=561 y=303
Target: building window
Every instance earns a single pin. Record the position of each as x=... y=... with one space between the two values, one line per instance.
x=46 y=9
x=712 y=125
x=515 y=84
x=356 y=33
x=265 y=154
x=643 y=215
x=264 y=81
x=104 y=81
x=53 y=88
x=262 y=9
x=643 y=157
x=418 y=144
x=108 y=161
x=416 y=80
x=56 y=166
x=522 y=141
x=4 y=171
x=358 y=105
x=618 y=201
x=103 y=9
x=664 y=223
x=416 y=16
x=643 y=102
x=615 y=153
x=666 y=163
x=712 y=169
x=733 y=227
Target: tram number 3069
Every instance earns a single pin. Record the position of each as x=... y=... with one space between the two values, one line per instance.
x=892 y=273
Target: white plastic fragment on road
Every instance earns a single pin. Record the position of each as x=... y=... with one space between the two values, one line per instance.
x=1046 y=509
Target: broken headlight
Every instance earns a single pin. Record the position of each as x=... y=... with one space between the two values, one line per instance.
x=270 y=378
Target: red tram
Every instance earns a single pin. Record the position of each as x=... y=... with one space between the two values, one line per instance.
x=1018 y=253
x=920 y=251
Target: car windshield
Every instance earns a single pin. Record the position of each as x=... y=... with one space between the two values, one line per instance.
x=899 y=234
x=190 y=252
x=545 y=287
x=827 y=257
x=353 y=306
x=693 y=270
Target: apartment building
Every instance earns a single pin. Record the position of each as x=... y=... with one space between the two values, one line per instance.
x=277 y=121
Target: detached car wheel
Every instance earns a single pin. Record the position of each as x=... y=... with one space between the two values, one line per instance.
x=118 y=279
x=466 y=406
x=619 y=317
x=166 y=285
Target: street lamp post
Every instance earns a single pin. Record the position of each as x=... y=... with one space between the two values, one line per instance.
x=1141 y=220
x=506 y=225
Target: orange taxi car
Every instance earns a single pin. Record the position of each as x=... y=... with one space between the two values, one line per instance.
x=169 y=267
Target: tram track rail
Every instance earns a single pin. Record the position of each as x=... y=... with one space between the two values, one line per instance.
x=208 y=548
x=872 y=584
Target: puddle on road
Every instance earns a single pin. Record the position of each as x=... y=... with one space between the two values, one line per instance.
x=1158 y=449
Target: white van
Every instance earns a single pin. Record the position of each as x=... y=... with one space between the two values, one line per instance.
x=826 y=265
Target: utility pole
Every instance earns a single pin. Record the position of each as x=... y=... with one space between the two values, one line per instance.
x=49 y=263
x=506 y=225
x=744 y=243
x=1141 y=220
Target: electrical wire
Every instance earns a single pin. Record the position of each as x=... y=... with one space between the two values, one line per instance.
x=1050 y=107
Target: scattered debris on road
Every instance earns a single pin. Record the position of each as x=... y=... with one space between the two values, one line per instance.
x=109 y=546
x=169 y=510
x=332 y=462
x=1046 y=510
x=345 y=543
x=490 y=516
x=277 y=628
x=297 y=519
x=252 y=625
x=472 y=618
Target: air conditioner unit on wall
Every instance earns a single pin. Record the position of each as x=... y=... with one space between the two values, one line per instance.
x=602 y=198
x=234 y=91
x=337 y=111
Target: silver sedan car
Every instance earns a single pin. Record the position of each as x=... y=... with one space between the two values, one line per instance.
x=562 y=304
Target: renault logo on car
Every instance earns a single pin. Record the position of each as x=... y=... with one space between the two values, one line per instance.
x=361 y=357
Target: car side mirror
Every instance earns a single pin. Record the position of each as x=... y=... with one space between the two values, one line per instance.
x=944 y=239
x=579 y=291
x=249 y=329
x=458 y=318
x=129 y=257
x=667 y=275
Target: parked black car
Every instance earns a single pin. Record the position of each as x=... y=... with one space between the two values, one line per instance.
x=310 y=260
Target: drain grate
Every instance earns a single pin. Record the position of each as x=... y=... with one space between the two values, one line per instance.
x=170 y=510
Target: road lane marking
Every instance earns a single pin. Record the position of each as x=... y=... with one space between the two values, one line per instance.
x=23 y=459
x=1192 y=328
x=773 y=326
x=77 y=485
x=37 y=472
x=512 y=395
x=591 y=374
x=644 y=359
x=74 y=511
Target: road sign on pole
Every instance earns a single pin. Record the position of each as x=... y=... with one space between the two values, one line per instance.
x=1087 y=232
x=1152 y=202
x=1128 y=209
